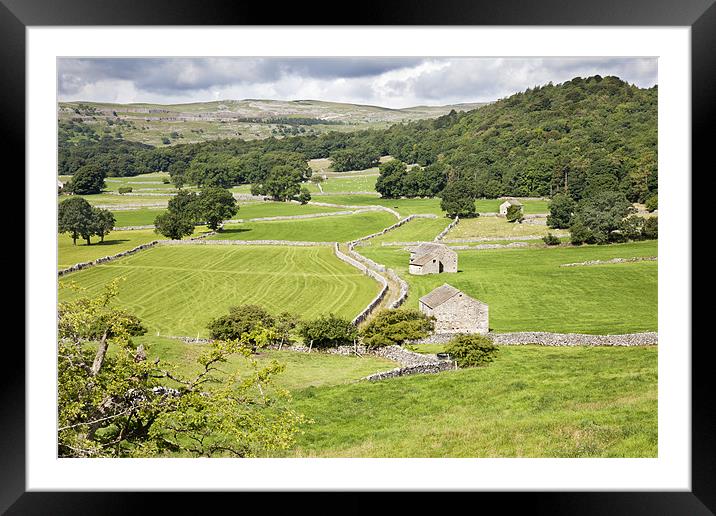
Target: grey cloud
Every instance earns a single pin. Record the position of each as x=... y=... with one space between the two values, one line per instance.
x=166 y=75
x=385 y=81
x=490 y=79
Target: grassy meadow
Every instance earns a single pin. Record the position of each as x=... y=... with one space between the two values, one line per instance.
x=177 y=290
x=340 y=228
x=495 y=227
x=527 y=290
x=418 y=229
x=303 y=370
x=533 y=401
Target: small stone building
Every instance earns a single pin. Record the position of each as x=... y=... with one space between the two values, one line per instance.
x=430 y=258
x=506 y=205
x=455 y=311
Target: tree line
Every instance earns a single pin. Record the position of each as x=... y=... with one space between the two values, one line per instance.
x=579 y=137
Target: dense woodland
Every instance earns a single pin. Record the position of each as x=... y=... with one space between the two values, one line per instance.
x=580 y=137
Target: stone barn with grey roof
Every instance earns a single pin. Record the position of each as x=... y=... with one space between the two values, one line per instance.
x=455 y=311
x=506 y=205
x=430 y=258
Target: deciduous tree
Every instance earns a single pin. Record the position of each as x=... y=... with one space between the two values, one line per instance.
x=74 y=216
x=122 y=404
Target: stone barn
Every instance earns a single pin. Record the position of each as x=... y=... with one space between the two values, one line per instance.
x=506 y=205
x=455 y=311
x=430 y=258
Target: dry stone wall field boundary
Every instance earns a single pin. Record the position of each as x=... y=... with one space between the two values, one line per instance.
x=380 y=279
x=557 y=339
x=445 y=231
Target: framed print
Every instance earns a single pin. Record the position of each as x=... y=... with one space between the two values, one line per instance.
x=416 y=250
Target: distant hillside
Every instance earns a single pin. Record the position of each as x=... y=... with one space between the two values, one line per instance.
x=246 y=119
x=583 y=136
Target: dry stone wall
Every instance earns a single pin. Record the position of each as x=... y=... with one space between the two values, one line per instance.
x=105 y=259
x=557 y=339
x=403 y=288
x=445 y=231
x=246 y=242
x=506 y=237
x=613 y=260
x=437 y=367
x=380 y=279
x=410 y=363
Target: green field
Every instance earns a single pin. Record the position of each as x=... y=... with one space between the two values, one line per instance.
x=278 y=209
x=140 y=217
x=340 y=228
x=495 y=227
x=532 y=401
x=362 y=183
x=403 y=206
x=115 y=242
x=248 y=210
x=177 y=290
x=302 y=369
x=432 y=205
x=418 y=229
x=527 y=290
x=111 y=200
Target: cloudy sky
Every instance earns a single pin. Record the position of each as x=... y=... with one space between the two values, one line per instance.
x=389 y=82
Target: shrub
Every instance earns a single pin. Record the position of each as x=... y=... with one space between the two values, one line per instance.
x=395 y=327
x=550 y=239
x=631 y=228
x=650 y=229
x=514 y=214
x=304 y=196
x=328 y=331
x=471 y=350
x=125 y=189
x=240 y=320
x=580 y=234
x=561 y=209
x=652 y=203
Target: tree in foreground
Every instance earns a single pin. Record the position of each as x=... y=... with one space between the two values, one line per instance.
x=88 y=179
x=328 y=331
x=471 y=350
x=120 y=403
x=215 y=205
x=74 y=216
x=395 y=326
x=457 y=200
x=561 y=209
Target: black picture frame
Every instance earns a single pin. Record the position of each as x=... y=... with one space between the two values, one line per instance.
x=699 y=15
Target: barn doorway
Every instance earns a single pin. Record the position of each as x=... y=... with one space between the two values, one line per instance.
x=440 y=266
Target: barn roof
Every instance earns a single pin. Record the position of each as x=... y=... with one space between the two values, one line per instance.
x=431 y=248
x=439 y=295
x=513 y=202
x=422 y=259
